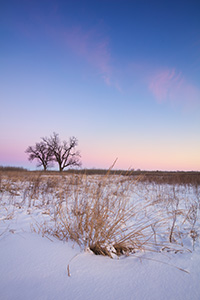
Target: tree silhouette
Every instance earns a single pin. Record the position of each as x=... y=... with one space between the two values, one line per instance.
x=42 y=153
x=63 y=152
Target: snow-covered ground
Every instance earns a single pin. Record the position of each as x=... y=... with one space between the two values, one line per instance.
x=36 y=267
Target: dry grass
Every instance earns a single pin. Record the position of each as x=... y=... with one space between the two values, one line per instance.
x=108 y=214
x=99 y=213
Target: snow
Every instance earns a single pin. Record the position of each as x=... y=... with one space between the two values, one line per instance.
x=35 y=267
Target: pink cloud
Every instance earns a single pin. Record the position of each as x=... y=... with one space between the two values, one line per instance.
x=89 y=44
x=170 y=85
x=92 y=48
x=163 y=82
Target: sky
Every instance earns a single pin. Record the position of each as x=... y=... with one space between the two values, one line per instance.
x=121 y=76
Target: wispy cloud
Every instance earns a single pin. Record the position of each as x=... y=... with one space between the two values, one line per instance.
x=163 y=84
x=90 y=44
x=170 y=85
x=93 y=48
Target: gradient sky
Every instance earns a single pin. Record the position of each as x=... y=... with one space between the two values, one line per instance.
x=122 y=76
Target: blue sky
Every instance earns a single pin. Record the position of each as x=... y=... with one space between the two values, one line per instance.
x=121 y=76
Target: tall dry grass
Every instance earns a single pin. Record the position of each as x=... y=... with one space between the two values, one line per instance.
x=99 y=213
x=108 y=214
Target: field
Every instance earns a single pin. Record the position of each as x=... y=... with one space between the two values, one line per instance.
x=95 y=234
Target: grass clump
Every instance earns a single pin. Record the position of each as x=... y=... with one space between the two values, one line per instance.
x=99 y=214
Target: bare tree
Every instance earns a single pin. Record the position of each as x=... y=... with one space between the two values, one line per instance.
x=42 y=153
x=64 y=152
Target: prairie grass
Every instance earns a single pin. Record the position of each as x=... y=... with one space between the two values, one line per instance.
x=98 y=216
x=110 y=214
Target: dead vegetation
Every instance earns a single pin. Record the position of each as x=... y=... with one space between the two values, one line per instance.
x=109 y=214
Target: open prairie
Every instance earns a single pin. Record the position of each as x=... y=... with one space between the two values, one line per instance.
x=147 y=224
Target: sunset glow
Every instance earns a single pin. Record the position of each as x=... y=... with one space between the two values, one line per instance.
x=121 y=76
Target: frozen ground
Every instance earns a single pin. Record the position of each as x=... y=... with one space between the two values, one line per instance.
x=35 y=267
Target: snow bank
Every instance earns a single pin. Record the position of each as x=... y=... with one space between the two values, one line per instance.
x=33 y=267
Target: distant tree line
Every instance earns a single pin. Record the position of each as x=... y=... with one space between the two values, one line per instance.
x=52 y=149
